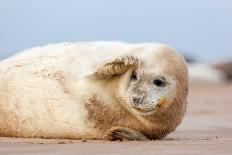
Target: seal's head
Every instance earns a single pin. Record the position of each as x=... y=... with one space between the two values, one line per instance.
x=159 y=81
x=148 y=92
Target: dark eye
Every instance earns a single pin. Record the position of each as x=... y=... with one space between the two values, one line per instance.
x=134 y=76
x=159 y=82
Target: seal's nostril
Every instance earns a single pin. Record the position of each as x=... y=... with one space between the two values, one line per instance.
x=137 y=99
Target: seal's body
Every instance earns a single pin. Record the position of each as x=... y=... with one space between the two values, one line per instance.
x=93 y=90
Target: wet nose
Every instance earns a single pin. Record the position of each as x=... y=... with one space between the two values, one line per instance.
x=137 y=99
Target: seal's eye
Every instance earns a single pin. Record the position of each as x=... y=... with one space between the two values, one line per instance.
x=134 y=76
x=159 y=82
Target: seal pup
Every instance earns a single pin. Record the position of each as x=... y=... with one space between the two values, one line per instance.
x=93 y=90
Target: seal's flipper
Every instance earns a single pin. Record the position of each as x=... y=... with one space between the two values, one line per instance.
x=121 y=133
x=116 y=66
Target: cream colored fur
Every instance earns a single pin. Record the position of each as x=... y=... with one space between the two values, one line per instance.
x=43 y=90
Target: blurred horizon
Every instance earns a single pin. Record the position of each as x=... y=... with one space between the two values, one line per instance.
x=201 y=29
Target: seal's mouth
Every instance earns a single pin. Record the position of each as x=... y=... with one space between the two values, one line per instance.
x=157 y=106
x=142 y=110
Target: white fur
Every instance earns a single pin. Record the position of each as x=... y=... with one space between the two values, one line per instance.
x=31 y=92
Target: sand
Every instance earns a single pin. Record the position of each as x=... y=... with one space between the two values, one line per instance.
x=206 y=129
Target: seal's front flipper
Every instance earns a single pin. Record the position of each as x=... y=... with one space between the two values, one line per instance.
x=116 y=66
x=121 y=133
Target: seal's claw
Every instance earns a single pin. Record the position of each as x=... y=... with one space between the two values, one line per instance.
x=126 y=60
x=121 y=133
x=118 y=65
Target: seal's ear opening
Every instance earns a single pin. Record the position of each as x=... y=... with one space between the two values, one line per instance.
x=117 y=66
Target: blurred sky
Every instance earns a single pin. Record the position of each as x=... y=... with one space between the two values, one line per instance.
x=201 y=28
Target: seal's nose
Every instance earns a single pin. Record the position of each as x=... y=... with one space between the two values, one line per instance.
x=137 y=99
